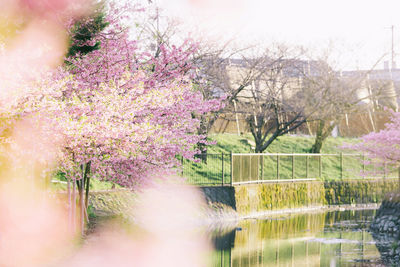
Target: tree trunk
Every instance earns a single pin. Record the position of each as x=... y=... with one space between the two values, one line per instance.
x=69 y=204
x=81 y=205
x=321 y=134
x=317 y=146
x=203 y=130
x=83 y=185
x=87 y=174
x=258 y=148
x=73 y=210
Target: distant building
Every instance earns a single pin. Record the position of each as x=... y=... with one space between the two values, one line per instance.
x=384 y=84
x=375 y=89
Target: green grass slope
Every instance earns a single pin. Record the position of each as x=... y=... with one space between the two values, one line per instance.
x=285 y=144
x=331 y=167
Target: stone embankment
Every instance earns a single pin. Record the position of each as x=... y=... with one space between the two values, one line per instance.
x=387 y=218
x=220 y=210
x=385 y=229
x=112 y=203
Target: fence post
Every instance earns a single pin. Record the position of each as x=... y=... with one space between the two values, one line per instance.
x=277 y=167
x=222 y=168
x=320 y=166
x=250 y=176
x=231 y=169
x=292 y=166
x=341 y=165
x=262 y=167
x=307 y=166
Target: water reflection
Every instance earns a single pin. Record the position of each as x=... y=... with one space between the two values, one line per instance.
x=339 y=238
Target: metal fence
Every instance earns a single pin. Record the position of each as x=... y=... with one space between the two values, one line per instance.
x=208 y=169
x=239 y=168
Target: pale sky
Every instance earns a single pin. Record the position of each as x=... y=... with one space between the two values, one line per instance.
x=359 y=29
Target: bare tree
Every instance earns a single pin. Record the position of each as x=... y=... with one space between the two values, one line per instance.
x=225 y=73
x=334 y=96
x=338 y=96
x=276 y=103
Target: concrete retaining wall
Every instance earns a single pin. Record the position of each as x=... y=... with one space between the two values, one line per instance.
x=258 y=198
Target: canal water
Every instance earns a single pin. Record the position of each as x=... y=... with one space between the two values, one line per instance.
x=335 y=238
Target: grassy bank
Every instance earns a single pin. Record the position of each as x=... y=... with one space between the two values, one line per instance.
x=284 y=144
x=209 y=171
x=59 y=183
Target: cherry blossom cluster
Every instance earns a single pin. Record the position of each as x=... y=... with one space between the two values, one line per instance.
x=383 y=147
x=124 y=110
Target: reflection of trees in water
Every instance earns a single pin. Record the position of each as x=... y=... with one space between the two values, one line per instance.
x=359 y=220
x=348 y=247
x=354 y=242
x=349 y=218
x=224 y=241
x=276 y=241
x=285 y=227
x=299 y=241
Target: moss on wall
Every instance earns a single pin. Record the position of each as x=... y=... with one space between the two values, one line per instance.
x=243 y=202
x=358 y=191
x=264 y=197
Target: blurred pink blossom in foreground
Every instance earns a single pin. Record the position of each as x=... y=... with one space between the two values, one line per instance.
x=168 y=234
x=34 y=231
x=33 y=223
x=33 y=226
x=39 y=45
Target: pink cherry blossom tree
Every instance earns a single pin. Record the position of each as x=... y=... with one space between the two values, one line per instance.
x=119 y=113
x=157 y=90
x=383 y=147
